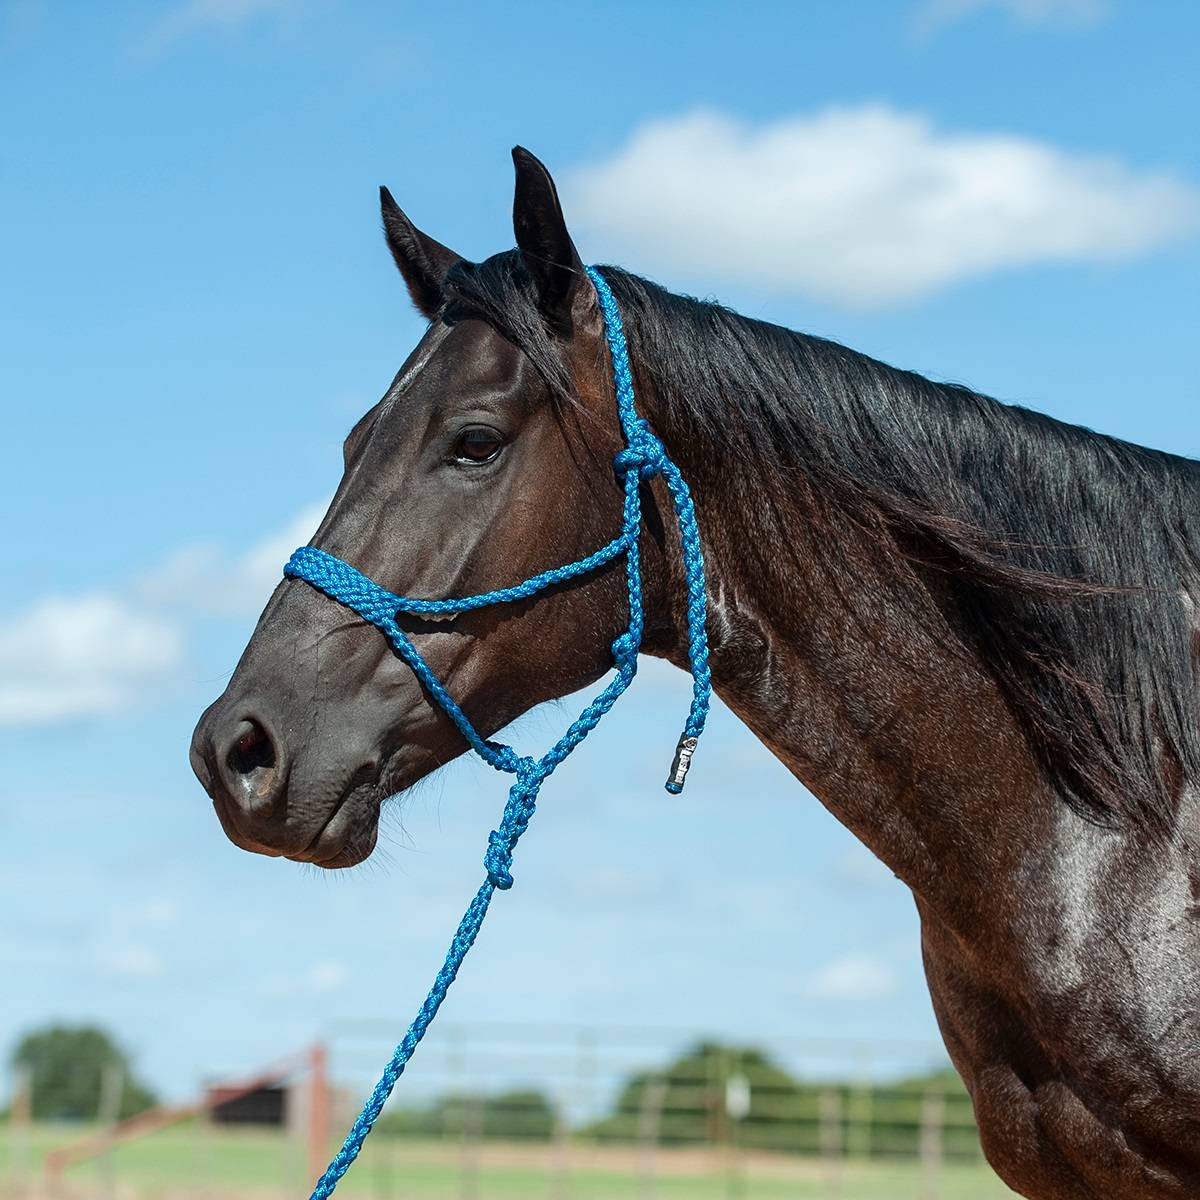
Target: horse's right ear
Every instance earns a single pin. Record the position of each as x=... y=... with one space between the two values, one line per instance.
x=422 y=261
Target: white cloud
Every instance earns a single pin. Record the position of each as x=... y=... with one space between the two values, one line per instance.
x=207 y=16
x=133 y=961
x=203 y=580
x=320 y=979
x=68 y=657
x=160 y=912
x=328 y=976
x=854 y=978
x=934 y=15
x=866 y=205
x=81 y=656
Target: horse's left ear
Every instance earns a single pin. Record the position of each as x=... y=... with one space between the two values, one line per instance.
x=550 y=255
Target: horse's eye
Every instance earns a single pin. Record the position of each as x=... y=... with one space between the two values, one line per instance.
x=478 y=444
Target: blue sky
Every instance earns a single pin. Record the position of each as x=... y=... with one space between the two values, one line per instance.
x=197 y=305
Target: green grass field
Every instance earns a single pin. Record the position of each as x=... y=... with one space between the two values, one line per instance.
x=195 y=1161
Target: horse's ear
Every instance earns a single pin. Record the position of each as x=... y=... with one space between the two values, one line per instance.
x=422 y=261
x=550 y=255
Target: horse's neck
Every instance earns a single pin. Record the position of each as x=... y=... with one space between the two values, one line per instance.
x=888 y=719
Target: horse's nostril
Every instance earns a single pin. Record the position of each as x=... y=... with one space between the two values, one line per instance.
x=251 y=767
x=252 y=751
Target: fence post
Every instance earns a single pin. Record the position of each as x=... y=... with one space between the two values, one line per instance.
x=831 y=1138
x=649 y=1121
x=933 y=1118
x=472 y=1137
x=318 y=1110
x=201 y=1150
x=714 y=1110
x=860 y=1105
x=20 y=1116
x=560 y=1150
x=112 y=1085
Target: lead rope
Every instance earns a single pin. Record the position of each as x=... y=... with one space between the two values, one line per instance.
x=643 y=458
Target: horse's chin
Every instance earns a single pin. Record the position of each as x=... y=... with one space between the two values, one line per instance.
x=347 y=839
x=350 y=832
x=350 y=854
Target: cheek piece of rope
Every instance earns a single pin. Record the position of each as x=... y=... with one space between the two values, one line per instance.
x=643 y=458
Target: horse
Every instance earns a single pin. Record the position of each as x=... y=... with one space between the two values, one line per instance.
x=970 y=630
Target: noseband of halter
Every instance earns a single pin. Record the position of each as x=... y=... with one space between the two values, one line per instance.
x=643 y=457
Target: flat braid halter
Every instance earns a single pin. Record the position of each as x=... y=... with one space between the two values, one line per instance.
x=643 y=457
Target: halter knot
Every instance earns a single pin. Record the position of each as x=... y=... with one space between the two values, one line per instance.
x=498 y=860
x=522 y=800
x=624 y=649
x=644 y=453
x=507 y=759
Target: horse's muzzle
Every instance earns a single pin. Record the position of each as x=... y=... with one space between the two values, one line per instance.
x=245 y=767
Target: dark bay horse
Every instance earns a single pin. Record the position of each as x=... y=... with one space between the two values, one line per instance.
x=972 y=631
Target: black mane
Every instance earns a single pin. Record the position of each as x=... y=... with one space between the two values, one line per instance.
x=1073 y=558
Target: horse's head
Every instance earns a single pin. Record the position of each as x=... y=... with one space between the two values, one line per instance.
x=488 y=459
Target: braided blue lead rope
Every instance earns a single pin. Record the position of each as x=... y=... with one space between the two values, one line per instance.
x=643 y=458
x=646 y=452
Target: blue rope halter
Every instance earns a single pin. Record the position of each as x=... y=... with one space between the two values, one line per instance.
x=643 y=458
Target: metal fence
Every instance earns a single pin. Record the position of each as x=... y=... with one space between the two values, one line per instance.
x=560 y=1113
x=658 y=1101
